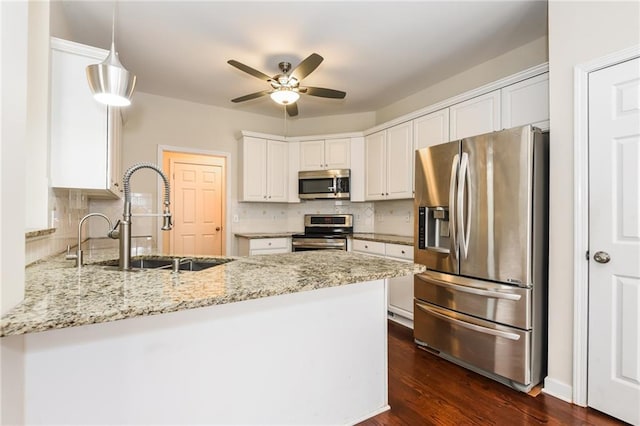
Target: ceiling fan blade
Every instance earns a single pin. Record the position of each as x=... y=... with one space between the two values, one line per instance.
x=249 y=70
x=307 y=66
x=251 y=96
x=323 y=93
x=292 y=109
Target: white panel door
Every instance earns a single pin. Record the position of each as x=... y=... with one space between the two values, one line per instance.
x=277 y=171
x=254 y=169
x=614 y=241
x=375 y=166
x=526 y=102
x=400 y=161
x=312 y=155
x=431 y=129
x=337 y=153
x=475 y=116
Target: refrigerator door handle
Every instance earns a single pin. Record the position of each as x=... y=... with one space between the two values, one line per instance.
x=499 y=333
x=452 y=205
x=465 y=289
x=464 y=226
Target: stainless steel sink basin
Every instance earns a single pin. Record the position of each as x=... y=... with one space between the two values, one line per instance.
x=185 y=264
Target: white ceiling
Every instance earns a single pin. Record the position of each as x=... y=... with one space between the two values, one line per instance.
x=378 y=52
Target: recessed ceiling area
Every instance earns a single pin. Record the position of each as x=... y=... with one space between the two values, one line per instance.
x=377 y=52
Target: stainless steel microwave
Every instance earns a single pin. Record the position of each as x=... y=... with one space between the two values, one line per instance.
x=324 y=184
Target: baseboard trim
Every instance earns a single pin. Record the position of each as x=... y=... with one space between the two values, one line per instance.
x=368 y=416
x=558 y=390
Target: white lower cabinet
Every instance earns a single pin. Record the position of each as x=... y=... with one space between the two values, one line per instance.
x=254 y=246
x=400 y=301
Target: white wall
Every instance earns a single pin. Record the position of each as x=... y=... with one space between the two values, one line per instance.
x=578 y=32
x=14 y=27
x=516 y=60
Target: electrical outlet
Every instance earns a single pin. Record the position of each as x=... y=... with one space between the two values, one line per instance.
x=236 y=219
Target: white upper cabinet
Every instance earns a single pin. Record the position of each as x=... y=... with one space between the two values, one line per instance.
x=85 y=135
x=265 y=170
x=389 y=163
x=431 y=129
x=476 y=116
x=325 y=154
x=526 y=102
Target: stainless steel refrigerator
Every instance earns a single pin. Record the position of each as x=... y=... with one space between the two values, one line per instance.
x=481 y=229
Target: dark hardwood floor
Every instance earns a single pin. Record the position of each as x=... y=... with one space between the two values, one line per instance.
x=424 y=389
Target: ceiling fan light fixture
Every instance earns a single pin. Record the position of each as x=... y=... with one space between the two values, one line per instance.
x=109 y=81
x=285 y=96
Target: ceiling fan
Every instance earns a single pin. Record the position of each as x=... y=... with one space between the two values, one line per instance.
x=285 y=87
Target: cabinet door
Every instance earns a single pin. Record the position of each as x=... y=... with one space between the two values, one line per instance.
x=277 y=171
x=475 y=116
x=400 y=161
x=337 y=153
x=375 y=166
x=526 y=102
x=431 y=129
x=254 y=169
x=312 y=155
x=78 y=157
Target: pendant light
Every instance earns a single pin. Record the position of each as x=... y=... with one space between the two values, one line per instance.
x=109 y=81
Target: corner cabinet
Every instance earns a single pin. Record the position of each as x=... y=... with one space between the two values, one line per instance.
x=389 y=163
x=85 y=135
x=325 y=154
x=264 y=171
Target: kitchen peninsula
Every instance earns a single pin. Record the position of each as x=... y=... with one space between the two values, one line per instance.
x=288 y=339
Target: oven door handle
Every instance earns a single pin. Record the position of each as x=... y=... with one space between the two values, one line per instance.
x=303 y=244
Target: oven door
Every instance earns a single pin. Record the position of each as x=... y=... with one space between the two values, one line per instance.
x=306 y=244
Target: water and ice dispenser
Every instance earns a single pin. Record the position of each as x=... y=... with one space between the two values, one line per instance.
x=434 y=232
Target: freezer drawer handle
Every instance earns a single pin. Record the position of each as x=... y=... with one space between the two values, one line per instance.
x=478 y=328
x=465 y=289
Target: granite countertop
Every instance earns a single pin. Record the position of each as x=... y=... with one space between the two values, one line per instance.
x=257 y=235
x=384 y=238
x=58 y=295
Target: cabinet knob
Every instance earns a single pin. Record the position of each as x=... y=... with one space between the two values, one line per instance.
x=402 y=251
x=265 y=197
x=382 y=194
x=269 y=196
x=269 y=243
x=366 y=246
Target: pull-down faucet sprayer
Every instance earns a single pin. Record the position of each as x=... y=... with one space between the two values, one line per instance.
x=125 y=224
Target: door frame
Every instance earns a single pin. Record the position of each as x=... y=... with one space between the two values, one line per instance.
x=581 y=214
x=196 y=151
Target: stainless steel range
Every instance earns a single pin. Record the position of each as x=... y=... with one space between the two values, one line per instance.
x=324 y=232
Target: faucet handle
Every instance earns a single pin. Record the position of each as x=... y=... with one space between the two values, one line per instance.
x=114 y=233
x=70 y=256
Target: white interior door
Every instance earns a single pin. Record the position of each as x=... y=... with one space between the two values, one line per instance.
x=614 y=241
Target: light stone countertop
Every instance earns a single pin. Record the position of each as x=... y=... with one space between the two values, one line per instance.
x=58 y=295
x=259 y=235
x=384 y=238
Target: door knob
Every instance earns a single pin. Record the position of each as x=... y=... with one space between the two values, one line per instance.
x=601 y=257
x=217 y=228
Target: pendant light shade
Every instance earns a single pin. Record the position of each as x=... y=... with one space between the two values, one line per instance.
x=109 y=81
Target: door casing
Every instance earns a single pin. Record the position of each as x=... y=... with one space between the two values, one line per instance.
x=160 y=156
x=581 y=217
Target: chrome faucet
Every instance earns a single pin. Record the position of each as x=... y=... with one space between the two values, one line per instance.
x=78 y=257
x=125 y=225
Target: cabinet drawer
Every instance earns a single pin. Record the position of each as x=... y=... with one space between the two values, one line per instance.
x=270 y=243
x=277 y=250
x=492 y=347
x=370 y=247
x=400 y=251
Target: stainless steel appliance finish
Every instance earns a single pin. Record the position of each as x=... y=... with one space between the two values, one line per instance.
x=324 y=184
x=481 y=230
x=324 y=232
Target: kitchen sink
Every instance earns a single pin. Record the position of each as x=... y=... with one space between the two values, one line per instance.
x=186 y=264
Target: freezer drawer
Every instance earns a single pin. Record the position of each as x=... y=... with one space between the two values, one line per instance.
x=505 y=304
x=498 y=349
